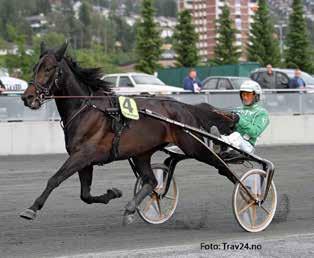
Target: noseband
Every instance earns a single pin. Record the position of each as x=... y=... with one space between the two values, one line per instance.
x=44 y=90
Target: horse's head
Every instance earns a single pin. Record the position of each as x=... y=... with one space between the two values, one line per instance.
x=45 y=79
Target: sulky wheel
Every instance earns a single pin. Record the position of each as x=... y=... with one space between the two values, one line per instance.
x=156 y=209
x=250 y=216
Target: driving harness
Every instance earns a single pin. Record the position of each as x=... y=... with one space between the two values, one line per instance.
x=118 y=121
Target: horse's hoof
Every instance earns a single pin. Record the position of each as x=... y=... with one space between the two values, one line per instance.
x=128 y=219
x=117 y=193
x=28 y=214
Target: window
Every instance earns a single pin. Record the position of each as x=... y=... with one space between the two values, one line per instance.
x=281 y=80
x=309 y=80
x=237 y=82
x=111 y=80
x=224 y=84
x=210 y=84
x=125 y=82
x=254 y=76
x=146 y=79
x=238 y=24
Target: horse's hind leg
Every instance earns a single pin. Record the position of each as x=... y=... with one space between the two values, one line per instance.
x=86 y=177
x=195 y=149
x=142 y=163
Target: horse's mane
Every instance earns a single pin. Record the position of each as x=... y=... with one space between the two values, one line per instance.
x=91 y=77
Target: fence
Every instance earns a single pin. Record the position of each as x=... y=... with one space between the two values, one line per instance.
x=278 y=102
x=175 y=76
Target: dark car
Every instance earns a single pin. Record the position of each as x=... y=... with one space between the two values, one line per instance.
x=223 y=82
x=282 y=77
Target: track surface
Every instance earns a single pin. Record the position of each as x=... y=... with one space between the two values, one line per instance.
x=67 y=226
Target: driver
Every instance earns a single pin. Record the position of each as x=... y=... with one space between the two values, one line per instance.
x=251 y=120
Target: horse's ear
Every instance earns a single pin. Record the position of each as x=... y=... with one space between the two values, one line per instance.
x=42 y=48
x=61 y=51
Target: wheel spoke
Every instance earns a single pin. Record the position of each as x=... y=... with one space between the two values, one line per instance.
x=169 y=197
x=157 y=208
x=253 y=216
x=148 y=204
x=244 y=195
x=264 y=209
x=158 y=205
x=246 y=207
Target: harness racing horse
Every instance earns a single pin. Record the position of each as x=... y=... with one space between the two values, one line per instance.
x=89 y=132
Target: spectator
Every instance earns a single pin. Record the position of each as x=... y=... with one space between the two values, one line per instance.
x=297 y=82
x=2 y=87
x=191 y=82
x=267 y=80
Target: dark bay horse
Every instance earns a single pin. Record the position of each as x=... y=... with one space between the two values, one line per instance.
x=89 y=133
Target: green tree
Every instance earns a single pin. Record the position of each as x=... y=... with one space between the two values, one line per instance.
x=124 y=34
x=51 y=39
x=86 y=20
x=311 y=71
x=148 y=41
x=43 y=6
x=226 y=51
x=297 y=42
x=184 y=41
x=21 y=60
x=95 y=57
x=129 y=7
x=85 y=13
x=263 y=45
x=8 y=16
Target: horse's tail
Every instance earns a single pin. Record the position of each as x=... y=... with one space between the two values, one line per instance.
x=208 y=116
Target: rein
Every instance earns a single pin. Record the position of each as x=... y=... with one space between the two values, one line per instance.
x=222 y=114
x=110 y=97
x=64 y=127
x=77 y=97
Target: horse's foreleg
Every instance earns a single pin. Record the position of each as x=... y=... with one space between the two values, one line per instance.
x=86 y=177
x=74 y=163
x=149 y=183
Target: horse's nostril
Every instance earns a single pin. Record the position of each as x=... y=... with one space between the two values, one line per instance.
x=27 y=97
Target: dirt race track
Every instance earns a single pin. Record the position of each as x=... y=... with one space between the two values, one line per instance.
x=68 y=227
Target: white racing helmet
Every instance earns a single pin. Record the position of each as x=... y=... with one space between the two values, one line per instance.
x=251 y=86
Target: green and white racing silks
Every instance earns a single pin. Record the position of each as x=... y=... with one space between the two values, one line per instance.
x=253 y=121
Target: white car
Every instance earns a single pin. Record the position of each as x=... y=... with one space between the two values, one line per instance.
x=13 y=85
x=138 y=83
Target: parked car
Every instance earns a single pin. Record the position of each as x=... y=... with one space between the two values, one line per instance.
x=11 y=107
x=282 y=77
x=138 y=83
x=13 y=84
x=223 y=82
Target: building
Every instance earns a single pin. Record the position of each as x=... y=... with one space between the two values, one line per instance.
x=205 y=12
x=37 y=22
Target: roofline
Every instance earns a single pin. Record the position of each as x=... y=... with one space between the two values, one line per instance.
x=237 y=77
x=131 y=73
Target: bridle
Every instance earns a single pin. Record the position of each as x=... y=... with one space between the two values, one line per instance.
x=44 y=91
